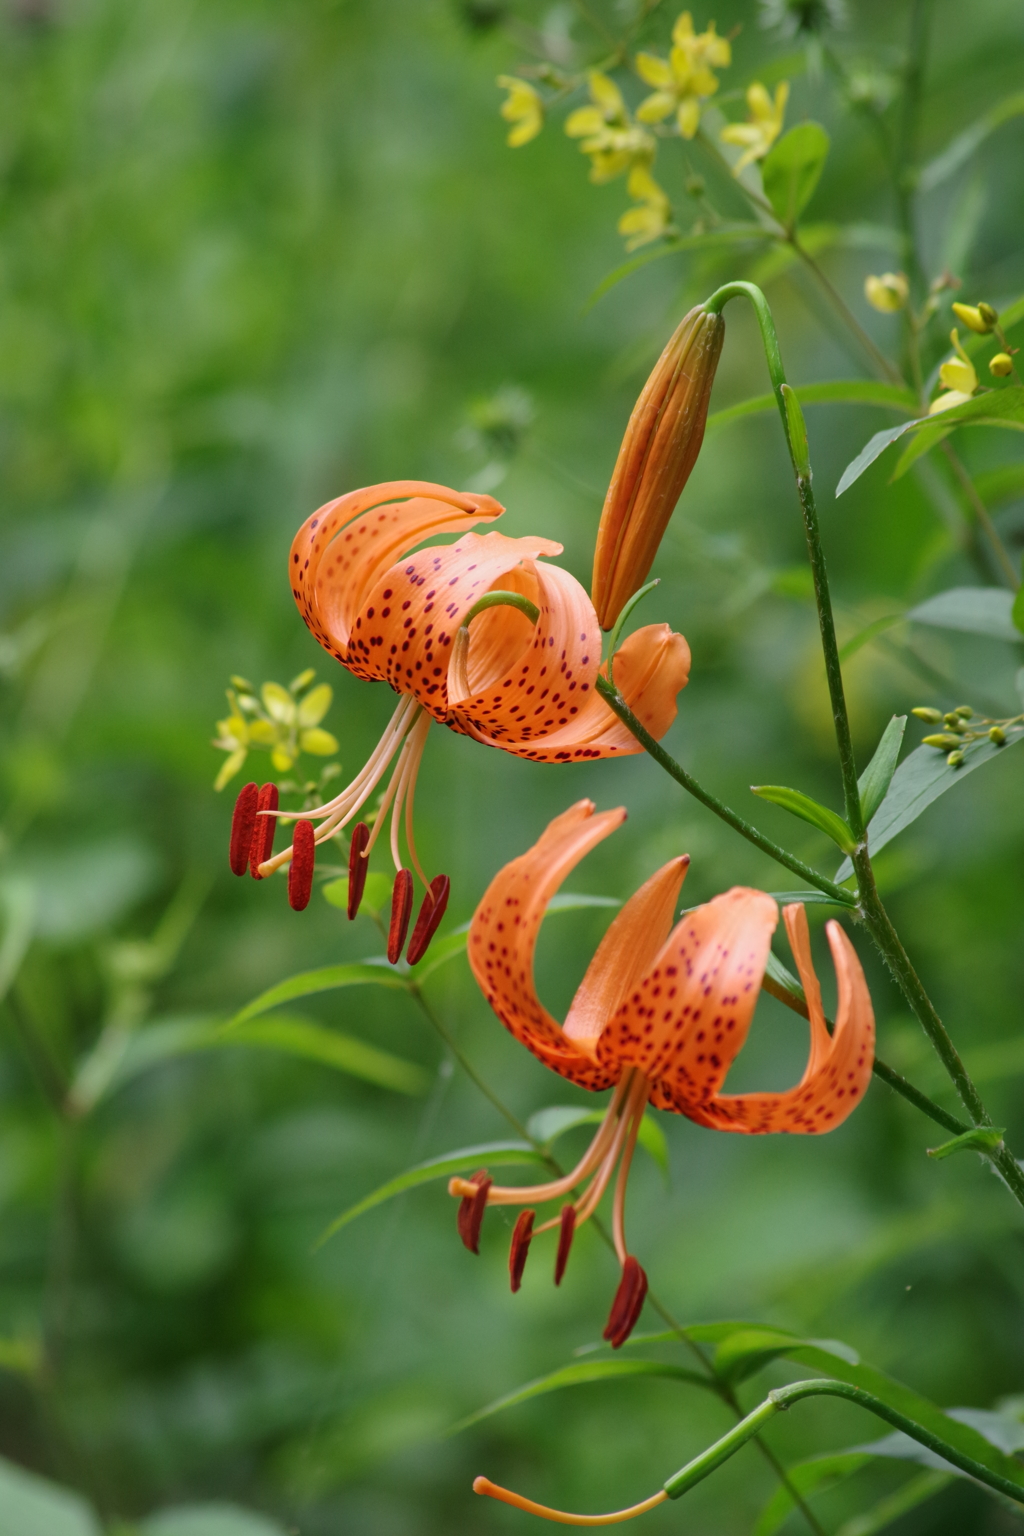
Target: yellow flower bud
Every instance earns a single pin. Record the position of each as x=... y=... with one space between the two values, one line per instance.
x=964 y=711
x=927 y=714
x=887 y=293
x=658 y=452
x=1000 y=366
x=943 y=741
x=955 y=758
x=973 y=318
x=998 y=735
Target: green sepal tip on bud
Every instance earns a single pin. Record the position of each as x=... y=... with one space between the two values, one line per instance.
x=955 y=758
x=943 y=742
x=975 y=317
x=1000 y=366
x=927 y=714
x=998 y=735
x=964 y=711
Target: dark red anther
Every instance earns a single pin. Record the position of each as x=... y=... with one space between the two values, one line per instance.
x=243 y=820
x=357 y=867
x=262 y=845
x=565 y=1237
x=300 y=871
x=629 y=1300
x=430 y=914
x=401 y=911
x=471 y=1211
x=517 y=1254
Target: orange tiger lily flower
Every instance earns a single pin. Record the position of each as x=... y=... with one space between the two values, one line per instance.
x=519 y=678
x=660 y=1016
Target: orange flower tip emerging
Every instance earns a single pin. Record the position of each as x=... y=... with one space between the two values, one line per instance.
x=432 y=909
x=658 y=452
x=628 y=1303
x=566 y=1232
x=300 y=870
x=357 y=867
x=517 y=1254
x=262 y=845
x=243 y=823
x=471 y=1211
x=401 y=911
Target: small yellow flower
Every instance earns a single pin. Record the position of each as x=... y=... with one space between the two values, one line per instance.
x=683 y=81
x=763 y=126
x=652 y=216
x=283 y=721
x=959 y=377
x=614 y=143
x=523 y=108
x=1001 y=366
x=976 y=317
x=887 y=293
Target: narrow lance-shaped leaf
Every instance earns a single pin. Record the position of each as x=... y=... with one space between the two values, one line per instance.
x=994 y=407
x=834 y=392
x=874 y=782
x=959 y=150
x=918 y=782
x=976 y=610
x=375 y=973
x=581 y=1375
x=804 y=1479
x=494 y=1154
x=799 y=804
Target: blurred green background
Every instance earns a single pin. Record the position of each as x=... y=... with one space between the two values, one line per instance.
x=253 y=255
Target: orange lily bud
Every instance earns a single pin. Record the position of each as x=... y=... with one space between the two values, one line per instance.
x=658 y=452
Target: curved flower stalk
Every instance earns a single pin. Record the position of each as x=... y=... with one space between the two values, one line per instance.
x=659 y=1017
x=477 y=635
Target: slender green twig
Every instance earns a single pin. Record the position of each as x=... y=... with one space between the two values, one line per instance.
x=983 y=516
x=617 y=703
x=904 y=164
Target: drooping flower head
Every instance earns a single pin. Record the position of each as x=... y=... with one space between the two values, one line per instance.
x=479 y=635
x=659 y=1018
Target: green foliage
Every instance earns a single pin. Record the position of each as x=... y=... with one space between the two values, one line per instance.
x=792 y=170
x=799 y=804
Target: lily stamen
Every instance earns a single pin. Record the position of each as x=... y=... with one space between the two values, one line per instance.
x=561 y=1516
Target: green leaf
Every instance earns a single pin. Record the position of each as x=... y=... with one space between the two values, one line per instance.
x=876 y=627
x=996 y=407
x=817 y=238
x=920 y=780
x=805 y=1477
x=724 y=236
x=835 y=392
x=779 y=978
x=802 y=805
x=33 y=1506
x=998 y=486
x=547 y=1125
x=440 y=952
x=745 y=1352
x=1017 y=611
x=874 y=782
x=209 y=1520
x=577 y=901
x=796 y=431
x=923 y=442
x=895 y=1505
x=494 y=1154
x=977 y=610
x=376 y=893
x=19 y=901
x=792 y=169
x=982 y=1138
x=374 y=973
x=582 y=1375
x=959 y=150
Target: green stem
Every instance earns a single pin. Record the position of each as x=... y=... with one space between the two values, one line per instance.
x=796 y=439
x=782 y=1398
x=503 y=600
x=906 y=147
x=618 y=705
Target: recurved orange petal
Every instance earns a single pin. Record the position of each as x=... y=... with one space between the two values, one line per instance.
x=340 y=550
x=833 y=1089
x=503 y=938
x=403 y=633
x=688 y=1017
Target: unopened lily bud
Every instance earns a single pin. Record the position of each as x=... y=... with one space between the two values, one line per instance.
x=943 y=741
x=955 y=758
x=927 y=714
x=1000 y=366
x=658 y=452
x=887 y=293
x=998 y=735
x=975 y=317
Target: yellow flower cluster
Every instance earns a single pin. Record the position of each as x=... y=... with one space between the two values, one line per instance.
x=763 y=126
x=282 y=721
x=684 y=81
x=959 y=377
x=523 y=108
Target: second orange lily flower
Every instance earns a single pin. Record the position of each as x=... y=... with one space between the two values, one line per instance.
x=521 y=678
x=659 y=1017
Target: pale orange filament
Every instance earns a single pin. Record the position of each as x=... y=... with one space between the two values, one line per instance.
x=625 y=1136
x=638 y=1104
x=406 y=771
x=561 y=1516
x=404 y=724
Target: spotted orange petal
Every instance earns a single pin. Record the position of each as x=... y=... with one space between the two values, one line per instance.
x=689 y=1015
x=340 y=550
x=651 y=668
x=837 y=1075
x=503 y=938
